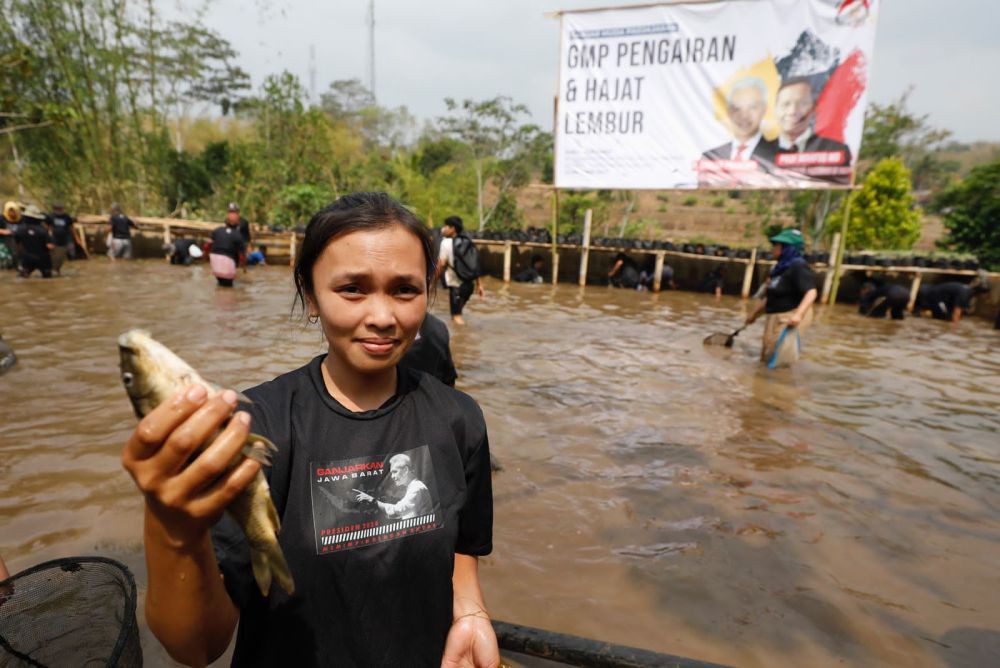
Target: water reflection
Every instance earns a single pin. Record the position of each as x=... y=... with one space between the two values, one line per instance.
x=656 y=493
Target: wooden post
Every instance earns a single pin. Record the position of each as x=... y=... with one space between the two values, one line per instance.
x=507 y=249
x=914 y=289
x=840 y=253
x=828 y=279
x=748 y=275
x=585 y=252
x=291 y=250
x=166 y=234
x=658 y=271
x=555 y=236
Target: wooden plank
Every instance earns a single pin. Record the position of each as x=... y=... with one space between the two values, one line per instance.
x=585 y=254
x=507 y=251
x=291 y=250
x=658 y=270
x=914 y=289
x=748 y=275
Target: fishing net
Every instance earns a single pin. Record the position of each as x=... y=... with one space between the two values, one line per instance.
x=786 y=350
x=719 y=339
x=78 y=611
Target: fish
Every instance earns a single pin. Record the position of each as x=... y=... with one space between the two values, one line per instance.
x=152 y=374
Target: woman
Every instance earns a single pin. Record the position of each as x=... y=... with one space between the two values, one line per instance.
x=406 y=598
x=790 y=292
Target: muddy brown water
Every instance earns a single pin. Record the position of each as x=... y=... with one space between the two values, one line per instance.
x=656 y=493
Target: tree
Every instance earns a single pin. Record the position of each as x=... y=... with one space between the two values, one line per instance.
x=892 y=130
x=497 y=145
x=350 y=102
x=971 y=212
x=883 y=216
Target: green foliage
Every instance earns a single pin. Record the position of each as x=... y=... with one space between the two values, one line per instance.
x=690 y=200
x=663 y=197
x=971 y=210
x=882 y=212
x=892 y=130
x=296 y=204
x=719 y=202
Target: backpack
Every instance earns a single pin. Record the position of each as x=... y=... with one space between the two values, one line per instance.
x=466 y=258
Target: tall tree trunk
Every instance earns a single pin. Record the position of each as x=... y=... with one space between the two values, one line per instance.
x=479 y=195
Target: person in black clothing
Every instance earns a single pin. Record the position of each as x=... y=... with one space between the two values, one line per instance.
x=34 y=243
x=121 y=234
x=183 y=251
x=431 y=352
x=647 y=277
x=532 y=274
x=624 y=273
x=949 y=300
x=227 y=248
x=879 y=299
x=9 y=222
x=790 y=293
x=459 y=289
x=64 y=236
x=233 y=211
x=369 y=591
x=713 y=282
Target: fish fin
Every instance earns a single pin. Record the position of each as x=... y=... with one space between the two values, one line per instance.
x=261 y=571
x=268 y=561
x=259 y=449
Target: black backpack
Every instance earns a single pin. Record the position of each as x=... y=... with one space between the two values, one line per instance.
x=466 y=258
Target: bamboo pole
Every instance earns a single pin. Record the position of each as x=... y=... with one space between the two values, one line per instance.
x=840 y=254
x=555 y=236
x=585 y=253
x=748 y=275
x=828 y=279
x=507 y=250
x=291 y=250
x=914 y=290
x=658 y=271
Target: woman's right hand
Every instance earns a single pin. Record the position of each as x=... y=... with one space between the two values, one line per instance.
x=187 y=496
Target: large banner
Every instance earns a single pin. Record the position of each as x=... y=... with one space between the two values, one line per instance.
x=735 y=94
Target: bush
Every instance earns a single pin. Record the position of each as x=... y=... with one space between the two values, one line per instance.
x=719 y=202
x=296 y=204
x=663 y=198
x=883 y=215
x=690 y=200
x=971 y=211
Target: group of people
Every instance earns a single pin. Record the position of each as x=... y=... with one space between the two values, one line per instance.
x=750 y=158
x=33 y=241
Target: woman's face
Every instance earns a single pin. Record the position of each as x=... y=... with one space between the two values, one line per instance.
x=371 y=296
x=776 y=251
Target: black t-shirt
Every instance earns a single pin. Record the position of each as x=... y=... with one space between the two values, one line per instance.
x=227 y=240
x=120 y=224
x=431 y=353
x=786 y=290
x=33 y=238
x=61 y=225
x=944 y=298
x=372 y=588
x=892 y=294
x=245 y=229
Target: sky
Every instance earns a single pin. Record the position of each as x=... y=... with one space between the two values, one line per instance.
x=427 y=50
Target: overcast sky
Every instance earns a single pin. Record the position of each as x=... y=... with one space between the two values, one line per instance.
x=427 y=50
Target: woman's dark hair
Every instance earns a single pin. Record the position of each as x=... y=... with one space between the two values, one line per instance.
x=354 y=212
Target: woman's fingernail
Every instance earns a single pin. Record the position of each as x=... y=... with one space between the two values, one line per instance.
x=229 y=397
x=244 y=418
x=196 y=393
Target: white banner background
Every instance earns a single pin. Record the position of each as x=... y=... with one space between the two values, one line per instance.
x=625 y=123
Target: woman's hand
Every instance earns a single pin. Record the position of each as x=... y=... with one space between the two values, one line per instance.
x=186 y=496
x=794 y=320
x=471 y=643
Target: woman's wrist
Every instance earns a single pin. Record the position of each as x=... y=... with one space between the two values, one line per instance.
x=465 y=607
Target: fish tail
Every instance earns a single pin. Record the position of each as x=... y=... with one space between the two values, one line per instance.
x=269 y=564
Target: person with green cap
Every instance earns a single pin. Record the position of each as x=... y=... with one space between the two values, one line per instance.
x=790 y=292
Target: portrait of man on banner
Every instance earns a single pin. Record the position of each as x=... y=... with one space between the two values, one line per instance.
x=800 y=148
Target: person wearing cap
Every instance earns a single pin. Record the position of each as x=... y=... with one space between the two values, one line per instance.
x=790 y=292
x=121 y=226
x=242 y=224
x=9 y=221
x=227 y=247
x=34 y=243
x=64 y=235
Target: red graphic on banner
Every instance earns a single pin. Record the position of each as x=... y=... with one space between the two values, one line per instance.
x=840 y=95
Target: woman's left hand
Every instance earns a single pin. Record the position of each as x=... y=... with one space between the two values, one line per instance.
x=471 y=644
x=794 y=320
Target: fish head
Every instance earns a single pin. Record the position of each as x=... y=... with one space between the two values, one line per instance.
x=151 y=372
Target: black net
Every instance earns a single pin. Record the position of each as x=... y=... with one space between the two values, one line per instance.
x=718 y=339
x=78 y=611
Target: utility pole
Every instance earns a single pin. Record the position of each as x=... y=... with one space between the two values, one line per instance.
x=312 y=74
x=371 y=47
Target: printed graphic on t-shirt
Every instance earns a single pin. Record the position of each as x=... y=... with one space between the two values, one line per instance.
x=366 y=500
